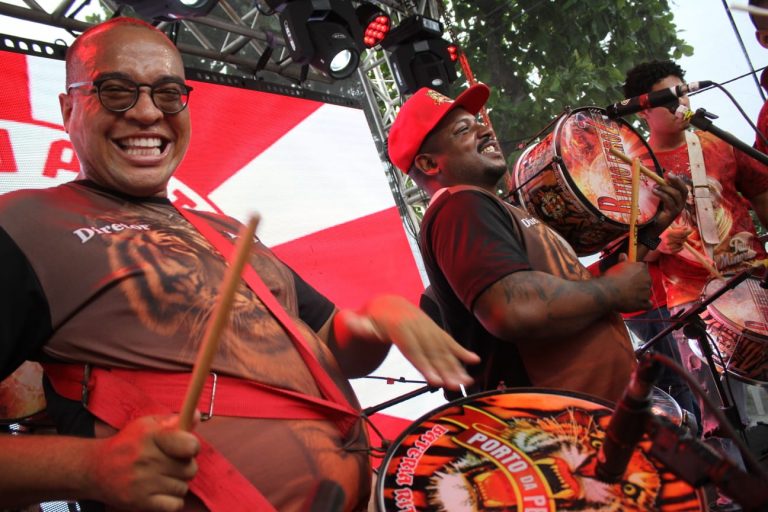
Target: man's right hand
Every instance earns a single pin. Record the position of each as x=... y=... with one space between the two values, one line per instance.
x=631 y=283
x=672 y=239
x=146 y=466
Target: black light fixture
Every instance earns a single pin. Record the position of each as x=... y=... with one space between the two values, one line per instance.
x=170 y=10
x=375 y=22
x=419 y=56
x=322 y=33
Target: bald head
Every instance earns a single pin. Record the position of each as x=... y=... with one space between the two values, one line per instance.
x=80 y=54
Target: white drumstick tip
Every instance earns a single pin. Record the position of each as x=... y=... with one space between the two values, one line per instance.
x=753 y=9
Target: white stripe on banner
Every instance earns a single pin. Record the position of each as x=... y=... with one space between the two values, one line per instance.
x=296 y=199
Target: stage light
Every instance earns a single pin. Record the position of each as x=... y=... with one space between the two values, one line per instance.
x=322 y=33
x=170 y=10
x=453 y=52
x=376 y=24
x=420 y=57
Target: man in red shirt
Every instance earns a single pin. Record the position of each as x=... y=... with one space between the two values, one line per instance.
x=715 y=232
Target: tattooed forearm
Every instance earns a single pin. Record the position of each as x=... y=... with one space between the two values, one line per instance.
x=539 y=305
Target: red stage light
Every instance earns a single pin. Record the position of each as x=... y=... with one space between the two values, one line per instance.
x=453 y=52
x=377 y=24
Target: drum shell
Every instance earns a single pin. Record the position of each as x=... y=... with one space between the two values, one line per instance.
x=571 y=181
x=435 y=446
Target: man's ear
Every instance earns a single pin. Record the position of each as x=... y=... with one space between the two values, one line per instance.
x=425 y=164
x=65 y=104
x=762 y=37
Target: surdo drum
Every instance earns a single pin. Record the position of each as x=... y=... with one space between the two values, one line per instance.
x=572 y=182
x=521 y=449
x=738 y=324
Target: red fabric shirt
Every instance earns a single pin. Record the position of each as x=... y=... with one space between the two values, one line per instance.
x=733 y=178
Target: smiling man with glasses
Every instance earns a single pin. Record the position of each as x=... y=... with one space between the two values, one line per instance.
x=122 y=310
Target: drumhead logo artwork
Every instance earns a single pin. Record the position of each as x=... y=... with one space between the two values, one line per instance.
x=572 y=181
x=503 y=451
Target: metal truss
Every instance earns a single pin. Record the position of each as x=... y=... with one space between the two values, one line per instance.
x=237 y=39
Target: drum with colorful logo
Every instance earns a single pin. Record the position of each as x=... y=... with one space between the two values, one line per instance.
x=738 y=324
x=572 y=182
x=520 y=450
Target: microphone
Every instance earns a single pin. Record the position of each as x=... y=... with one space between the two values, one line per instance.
x=628 y=423
x=653 y=99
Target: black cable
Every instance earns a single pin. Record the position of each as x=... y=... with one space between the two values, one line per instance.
x=743 y=48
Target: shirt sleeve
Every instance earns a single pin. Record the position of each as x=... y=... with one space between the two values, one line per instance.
x=25 y=319
x=314 y=308
x=751 y=175
x=474 y=243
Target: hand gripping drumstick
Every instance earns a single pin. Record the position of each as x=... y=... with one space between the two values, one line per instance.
x=655 y=177
x=217 y=323
x=703 y=260
x=633 y=207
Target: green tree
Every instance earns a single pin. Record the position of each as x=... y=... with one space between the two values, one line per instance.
x=542 y=56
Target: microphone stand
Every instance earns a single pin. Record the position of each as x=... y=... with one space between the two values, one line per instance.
x=694 y=327
x=701 y=120
x=402 y=398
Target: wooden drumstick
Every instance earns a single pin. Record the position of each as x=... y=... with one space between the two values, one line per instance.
x=703 y=260
x=216 y=323
x=633 y=209
x=655 y=177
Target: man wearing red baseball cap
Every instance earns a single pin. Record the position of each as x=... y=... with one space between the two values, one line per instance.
x=509 y=287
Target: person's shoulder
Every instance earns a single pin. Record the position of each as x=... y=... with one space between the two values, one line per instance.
x=709 y=139
x=466 y=194
x=20 y=197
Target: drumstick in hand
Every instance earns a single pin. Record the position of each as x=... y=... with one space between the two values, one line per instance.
x=703 y=260
x=633 y=207
x=216 y=323
x=655 y=177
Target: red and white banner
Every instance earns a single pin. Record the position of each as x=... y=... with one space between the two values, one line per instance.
x=310 y=169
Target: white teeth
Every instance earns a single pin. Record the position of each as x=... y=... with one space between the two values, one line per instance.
x=489 y=149
x=141 y=142
x=142 y=151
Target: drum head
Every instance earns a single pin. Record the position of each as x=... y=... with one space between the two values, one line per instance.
x=737 y=322
x=744 y=308
x=583 y=141
x=572 y=181
x=515 y=450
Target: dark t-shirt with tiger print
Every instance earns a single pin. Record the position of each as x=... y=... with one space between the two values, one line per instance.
x=470 y=240
x=130 y=283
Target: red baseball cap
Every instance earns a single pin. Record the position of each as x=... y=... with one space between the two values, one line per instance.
x=420 y=114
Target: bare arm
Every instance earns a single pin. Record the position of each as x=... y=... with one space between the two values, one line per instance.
x=531 y=305
x=146 y=467
x=361 y=340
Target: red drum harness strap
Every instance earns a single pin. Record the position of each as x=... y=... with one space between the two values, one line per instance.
x=334 y=398
x=118 y=396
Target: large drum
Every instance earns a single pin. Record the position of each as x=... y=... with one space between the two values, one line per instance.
x=517 y=450
x=572 y=182
x=738 y=324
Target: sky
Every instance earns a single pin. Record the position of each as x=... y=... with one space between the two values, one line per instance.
x=704 y=24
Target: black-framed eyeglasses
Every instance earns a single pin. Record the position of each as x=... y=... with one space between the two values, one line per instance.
x=122 y=94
